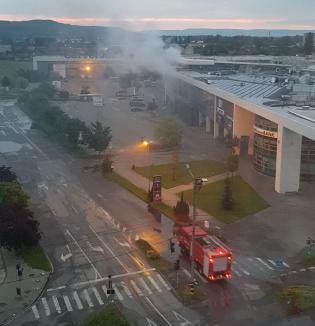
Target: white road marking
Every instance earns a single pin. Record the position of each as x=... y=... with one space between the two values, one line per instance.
x=237 y=273
x=104 y=288
x=56 y=289
x=117 y=292
x=154 y=283
x=311 y=268
x=250 y=258
x=56 y=303
x=285 y=264
x=186 y=272
x=134 y=285
x=244 y=271
x=163 y=282
x=302 y=270
x=144 y=284
x=46 y=307
x=123 y=244
x=272 y=262
x=151 y=323
x=109 y=249
x=97 y=274
x=202 y=279
x=74 y=209
x=35 y=312
x=97 y=248
x=264 y=263
x=87 y=298
x=67 y=302
x=157 y=311
x=182 y=319
x=77 y=300
x=99 y=195
x=97 y=295
x=126 y=289
x=66 y=256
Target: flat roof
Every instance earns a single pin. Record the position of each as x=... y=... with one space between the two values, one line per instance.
x=280 y=115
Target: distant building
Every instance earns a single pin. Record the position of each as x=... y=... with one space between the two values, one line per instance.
x=5 y=48
x=309 y=42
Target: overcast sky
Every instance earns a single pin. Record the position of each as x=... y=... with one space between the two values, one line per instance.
x=167 y=14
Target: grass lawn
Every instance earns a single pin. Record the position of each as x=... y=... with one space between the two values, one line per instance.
x=246 y=200
x=296 y=299
x=35 y=258
x=202 y=168
x=140 y=193
x=109 y=316
x=156 y=261
x=10 y=68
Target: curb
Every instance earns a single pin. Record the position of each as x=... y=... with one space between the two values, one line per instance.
x=5 y=268
x=13 y=317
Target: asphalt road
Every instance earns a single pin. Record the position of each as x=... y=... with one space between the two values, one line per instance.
x=89 y=225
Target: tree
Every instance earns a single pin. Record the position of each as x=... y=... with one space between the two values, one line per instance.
x=6 y=175
x=64 y=95
x=227 y=202
x=107 y=164
x=5 y=82
x=21 y=82
x=181 y=210
x=17 y=227
x=169 y=133
x=99 y=137
x=85 y=90
x=232 y=161
x=12 y=194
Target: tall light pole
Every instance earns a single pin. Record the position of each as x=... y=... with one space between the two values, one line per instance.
x=147 y=144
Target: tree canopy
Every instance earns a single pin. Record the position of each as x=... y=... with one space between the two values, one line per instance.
x=6 y=175
x=99 y=136
x=169 y=131
x=5 y=82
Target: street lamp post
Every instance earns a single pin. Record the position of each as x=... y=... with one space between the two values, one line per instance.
x=147 y=144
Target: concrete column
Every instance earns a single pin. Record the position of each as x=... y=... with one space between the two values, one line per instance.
x=199 y=118
x=216 y=126
x=288 y=164
x=207 y=124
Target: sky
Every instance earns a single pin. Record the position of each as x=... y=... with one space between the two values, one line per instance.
x=167 y=14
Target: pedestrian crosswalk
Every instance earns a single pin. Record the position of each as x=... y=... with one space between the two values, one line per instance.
x=254 y=266
x=96 y=295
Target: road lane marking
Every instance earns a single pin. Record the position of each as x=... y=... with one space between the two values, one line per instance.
x=35 y=312
x=163 y=282
x=123 y=244
x=109 y=249
x=126 y=289
x=154 y=284
x=264 y=263
x=56 y=289
x=272 y=262
x=56 y=303
x=77 y=300
x=151 y=323
x=67 y=302
x=186 y=272
x=311 y=268
x=158 y=311
x=46 y=307
x=236 y=272
x=200 y=277
x=144 y=284
x=302 y=270
x=97 y=274
x=134 y=285
x=285 y=264
x=97 y=295
x=244 y=271
x=87 y=298
x=182 y=319
x=117 y=292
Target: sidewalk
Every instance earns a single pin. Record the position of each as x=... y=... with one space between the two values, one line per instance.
x=32 y=283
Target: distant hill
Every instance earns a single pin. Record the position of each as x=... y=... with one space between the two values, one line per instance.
x=50 y=28
x=233 y=32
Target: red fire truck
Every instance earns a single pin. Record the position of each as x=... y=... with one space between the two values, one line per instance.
x=212 y=257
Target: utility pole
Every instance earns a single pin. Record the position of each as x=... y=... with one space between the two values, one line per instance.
x=197 y=187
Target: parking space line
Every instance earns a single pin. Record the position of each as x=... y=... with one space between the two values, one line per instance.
x=117 y=292
x=126 y=289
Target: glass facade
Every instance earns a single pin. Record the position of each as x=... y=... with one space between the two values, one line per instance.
x=265 y=150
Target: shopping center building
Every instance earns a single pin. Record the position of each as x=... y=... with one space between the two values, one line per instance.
x=269 y=106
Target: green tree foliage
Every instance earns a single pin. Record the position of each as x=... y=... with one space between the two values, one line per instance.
x=21 y=82
x=232 y=161
x=85 y=90
x=227 y=202
x=181 y=210
x=99 y=137
x=33 y=76
x=169 y=131
x=6 y=175
x=5 y=82
x=12 y=194
x=18 y=228
x=64 y=95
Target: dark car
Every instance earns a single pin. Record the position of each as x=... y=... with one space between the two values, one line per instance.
x=136 y=109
